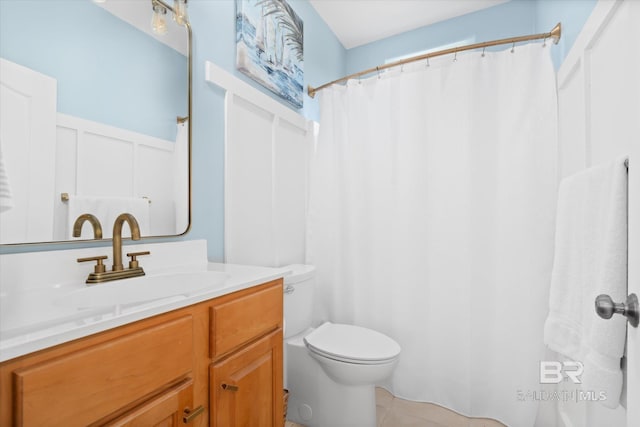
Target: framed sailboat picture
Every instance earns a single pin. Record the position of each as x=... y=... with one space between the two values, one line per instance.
x=269 y=46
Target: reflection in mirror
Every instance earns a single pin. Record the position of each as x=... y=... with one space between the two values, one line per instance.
x=94 y=114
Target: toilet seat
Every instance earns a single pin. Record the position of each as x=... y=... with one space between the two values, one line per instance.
x=352 y=344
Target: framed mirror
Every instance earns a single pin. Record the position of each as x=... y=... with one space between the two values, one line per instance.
x=94 y=118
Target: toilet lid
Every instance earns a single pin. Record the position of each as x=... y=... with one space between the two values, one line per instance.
x=351 y=343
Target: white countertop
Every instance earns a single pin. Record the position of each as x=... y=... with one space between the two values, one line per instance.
x=32 y=318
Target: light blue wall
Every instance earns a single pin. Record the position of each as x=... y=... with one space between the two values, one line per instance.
x=571 y=13
x=514 y=18
x=506 y=20
x=122 y=86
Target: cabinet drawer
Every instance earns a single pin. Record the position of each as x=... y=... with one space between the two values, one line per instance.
x=245 y=318
x=83 y=387
x=165 y=410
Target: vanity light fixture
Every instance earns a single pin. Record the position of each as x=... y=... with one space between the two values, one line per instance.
x=179 y=12
x=158 y=22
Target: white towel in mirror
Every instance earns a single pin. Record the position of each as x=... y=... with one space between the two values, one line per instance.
x=107 y=209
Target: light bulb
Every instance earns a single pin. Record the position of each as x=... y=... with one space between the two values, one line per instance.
x=180 y=11
x=158 y=22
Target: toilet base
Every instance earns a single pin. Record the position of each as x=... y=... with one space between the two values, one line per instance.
x=315 y=400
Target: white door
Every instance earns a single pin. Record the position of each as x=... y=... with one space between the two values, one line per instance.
x=599 y=120
x=28 y=144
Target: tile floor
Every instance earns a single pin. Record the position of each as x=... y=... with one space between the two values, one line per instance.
x=394 y=412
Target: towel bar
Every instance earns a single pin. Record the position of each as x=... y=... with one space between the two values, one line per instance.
x=65 y=197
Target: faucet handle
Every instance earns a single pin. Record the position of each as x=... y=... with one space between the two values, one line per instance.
x=99 y=267
x=134 y=262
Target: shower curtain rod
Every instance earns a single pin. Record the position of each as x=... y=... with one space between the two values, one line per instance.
x=554 y=34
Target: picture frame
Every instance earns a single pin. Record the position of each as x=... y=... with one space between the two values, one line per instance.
x=270 y=47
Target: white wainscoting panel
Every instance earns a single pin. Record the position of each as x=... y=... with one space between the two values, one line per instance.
x=267 y=147
x=28 y=153
x=94 y=159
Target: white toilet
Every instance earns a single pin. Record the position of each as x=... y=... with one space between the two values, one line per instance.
x=330 y=371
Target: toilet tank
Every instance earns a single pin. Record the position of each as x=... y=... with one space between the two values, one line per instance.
x=298 y=298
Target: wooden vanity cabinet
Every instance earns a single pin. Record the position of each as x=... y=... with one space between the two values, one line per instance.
x=158 y=371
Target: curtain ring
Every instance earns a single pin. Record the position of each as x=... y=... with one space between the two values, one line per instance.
x=544 y=43
x=513 y=47
x=378 y=71
x=483 y=49
x=428 y=65
x=455 y=56
x=402 y=68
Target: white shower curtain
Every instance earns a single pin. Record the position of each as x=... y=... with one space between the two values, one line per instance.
x=431 y=212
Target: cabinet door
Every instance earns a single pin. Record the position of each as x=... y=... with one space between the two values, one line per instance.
x=166 y=410
x=246 y=388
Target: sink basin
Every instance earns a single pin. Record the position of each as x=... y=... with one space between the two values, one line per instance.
x=143 y=289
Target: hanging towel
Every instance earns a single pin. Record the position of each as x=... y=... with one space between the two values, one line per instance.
x=181 y=179
x=590 y=259
x=6 y=196
x=107 y=209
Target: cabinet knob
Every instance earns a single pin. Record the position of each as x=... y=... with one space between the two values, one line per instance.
x=229 y=387
x=189 y=415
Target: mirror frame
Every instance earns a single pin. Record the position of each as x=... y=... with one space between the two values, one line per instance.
x=187 y=25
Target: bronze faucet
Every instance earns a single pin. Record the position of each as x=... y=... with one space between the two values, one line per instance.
x=95 y=223
x=117 y=271
x=117 y=237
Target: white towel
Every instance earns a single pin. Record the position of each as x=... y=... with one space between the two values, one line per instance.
x=590 y=259
x=107 y=209
x=181 y=179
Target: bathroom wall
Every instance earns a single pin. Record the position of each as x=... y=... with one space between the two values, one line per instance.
x=514 y=18
x=213 y=25
x=505 y=20
x=572 y=13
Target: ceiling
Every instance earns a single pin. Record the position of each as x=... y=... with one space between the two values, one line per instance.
x=358 y=22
